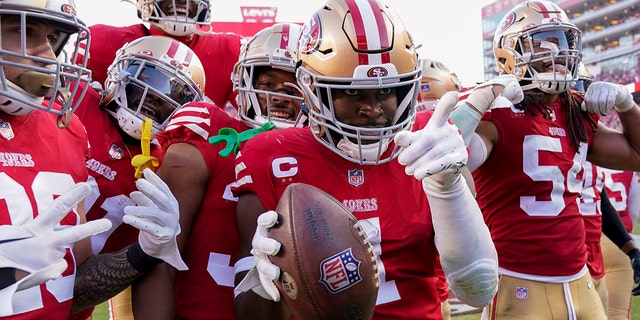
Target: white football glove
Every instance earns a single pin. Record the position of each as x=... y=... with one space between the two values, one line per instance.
x=39 y=245
x=469 y=111
x=482 y=95
x=601 y=97
x=260 y=278
x=436 y=153
x=156 y=215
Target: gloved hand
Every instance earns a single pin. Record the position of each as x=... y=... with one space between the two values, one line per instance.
x=156 y=215
x=601 y=97
x=634 y=255
x=39 y=245
x=470 y=110
x=482 y=95
x=260 y=278
x=436 y=153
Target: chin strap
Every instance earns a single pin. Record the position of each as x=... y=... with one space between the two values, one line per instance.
x=233 y=138
x=145 y=160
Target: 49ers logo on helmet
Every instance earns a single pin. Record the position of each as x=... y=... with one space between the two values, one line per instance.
x=508 y=21
x=310 y=34
x=67 y=8
x=377 y=72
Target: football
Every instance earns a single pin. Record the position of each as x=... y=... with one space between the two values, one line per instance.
x=328 y=266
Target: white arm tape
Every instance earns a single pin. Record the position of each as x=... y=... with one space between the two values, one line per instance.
x=464 y=242
x=477 y=152
x=244 y=264
x=466 y=119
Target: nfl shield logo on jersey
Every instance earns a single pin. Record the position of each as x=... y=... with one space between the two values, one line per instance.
x=115 y=152
x=521 y=293
x=340 y=271
x=5 y=130
x=356 y=177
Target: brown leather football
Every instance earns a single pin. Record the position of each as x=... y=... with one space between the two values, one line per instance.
x=328 y=266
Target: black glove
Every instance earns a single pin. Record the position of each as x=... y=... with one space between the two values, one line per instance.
x=634 y=255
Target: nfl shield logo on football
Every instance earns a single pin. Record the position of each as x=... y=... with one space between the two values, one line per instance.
x=340 y=271
x=356 y=177
x=521 y=293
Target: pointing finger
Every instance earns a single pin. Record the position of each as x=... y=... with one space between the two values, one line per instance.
x=443 y=110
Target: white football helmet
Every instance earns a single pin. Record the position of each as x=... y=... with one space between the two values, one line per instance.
x=177 y=17
x=436 y=80
x=272 y=47
x=357 y=45
x=53 y=85
x=537 y=43
x=151 y=77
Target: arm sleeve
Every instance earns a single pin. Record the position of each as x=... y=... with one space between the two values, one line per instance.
x=467 y=253
x=612 y=225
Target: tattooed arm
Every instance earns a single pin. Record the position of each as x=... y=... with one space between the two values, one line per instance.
x=103 y=276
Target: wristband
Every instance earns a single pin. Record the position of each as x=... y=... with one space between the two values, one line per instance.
x=466 y=119
x=634 y=254
x=139 y=260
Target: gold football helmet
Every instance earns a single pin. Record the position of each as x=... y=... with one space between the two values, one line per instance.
x=177 y=17
x=151 y=77
x=584 y=78
x=53 y=85
x=537 y=43
x=357 y=45
x=436 y=80
x=272 y=47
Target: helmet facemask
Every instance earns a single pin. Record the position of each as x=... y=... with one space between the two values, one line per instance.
x=358 y=144
x=538 y=44
x=178 y=18
x=148 y=90
x=52 y=85
x=264 y=78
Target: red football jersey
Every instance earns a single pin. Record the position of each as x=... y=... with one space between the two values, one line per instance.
x=390 y=205
x=218 y=53
x=205 y=291
x=589 y=205
x=619 y=186
x=39 y=162
x=527 y=191
x=111 y=174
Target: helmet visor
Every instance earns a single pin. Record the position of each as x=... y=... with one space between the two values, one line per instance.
x=156 y=94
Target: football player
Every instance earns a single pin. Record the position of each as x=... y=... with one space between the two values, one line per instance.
x=150 y=78
x=49 y=271
x=201 y=174
x=535 y=138
x=624 y=195
x=188 y=21
x=360 y=77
